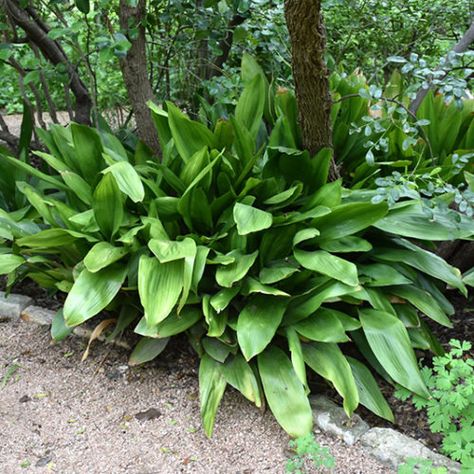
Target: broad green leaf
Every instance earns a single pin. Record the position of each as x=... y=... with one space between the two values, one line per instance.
x=216 y=321
x=227 y=275
x=102 y=255
x=239 y=374
x=51 y=238
x=159 y=287
x=92 y=292
x=297 y=358
x=222 y=298
x=346 y=244
x=302 y=308
x=250 y=219
x=422 y=300
x=390 y=343
x=189 y=136
x=348 y=219
x=323 y=326
x=258 y=323
x=424 y=261
x=168 y=250
x=212 y=385
x=327 y=360
x=88 y=148
x=108 y=206
x=172 y=325
x=277 y=272
x=369 y=392
x=410 y=220
x=147 y=349
x=78 y=185
x=323 y=262
x=127 y=179
x=199 y=266
x=59 y=330
x=9 y=263
x=348 y=323
x=305 y=234
x=251 y=285
x=285 y=393
x=284 y=196
x=468 y=278
x=216 y=349
x=383 y=275
x=194 y=166
x=249 y=108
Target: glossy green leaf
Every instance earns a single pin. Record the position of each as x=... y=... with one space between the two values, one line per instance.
x=159 y=287
x=348 y=219
x=128 y=180
x=92 y=292
x=108 y=206
x=10 y=262
x=370 y=394
x=212 y=386
x=88 y=148
x=168 y=250
x=390 y=343
x=323 y=262
x=285 y=393
x=297 y=358
x=147 y=349
x=227 y=275
x=251 y=285
x=258 y=323
x=239 y=374
x=59 y=329
x=422 y=300
x=322 y=326
x=189 y=136
x=172 y=325
x=250 y=219
x=277 y=272
x=347 y=244
x=383 y=275
x=102 y=255
x=327 y=360
x=249 y=109
x=78 y=185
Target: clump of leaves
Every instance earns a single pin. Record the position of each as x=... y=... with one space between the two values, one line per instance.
x=450 y=408
x=420 y=466
x=308 y=451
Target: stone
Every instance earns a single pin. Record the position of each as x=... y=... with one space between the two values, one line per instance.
x=12 y=305
x=332 y=419
x=38 y=315
x=394 y=448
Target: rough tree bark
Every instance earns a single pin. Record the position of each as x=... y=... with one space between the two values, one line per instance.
x=461 y=46
x=310 y=74
x=135 y=74
x=37 y=33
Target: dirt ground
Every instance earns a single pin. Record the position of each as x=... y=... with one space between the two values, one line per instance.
x=60 y=415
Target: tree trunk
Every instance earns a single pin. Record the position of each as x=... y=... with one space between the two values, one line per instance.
x=37 y=33
x=135 y=74
x=459 y=253
x=310 y=74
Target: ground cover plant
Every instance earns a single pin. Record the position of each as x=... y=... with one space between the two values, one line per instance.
x=450 y=408
x=236 y=238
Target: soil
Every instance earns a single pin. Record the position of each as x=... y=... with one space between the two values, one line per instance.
x=102 y=416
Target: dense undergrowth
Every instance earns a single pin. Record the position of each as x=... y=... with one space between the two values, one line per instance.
x=237 y=238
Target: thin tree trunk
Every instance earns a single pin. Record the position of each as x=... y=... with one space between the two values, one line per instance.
x=135 y=74
x=310 y=74
x=461 y=46
x=37 y=33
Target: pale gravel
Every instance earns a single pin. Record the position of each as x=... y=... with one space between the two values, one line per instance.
x=85 y=424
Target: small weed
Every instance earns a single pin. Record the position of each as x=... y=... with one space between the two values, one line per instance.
x=420 y=466
x=307 y=449
x=10 y=372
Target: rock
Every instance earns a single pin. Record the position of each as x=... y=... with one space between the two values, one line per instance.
x=332 y=419
x=38 y=315
x=25 y=399
x=44 y=461
x=394 y=448
x=12 y=305
x=149 y=414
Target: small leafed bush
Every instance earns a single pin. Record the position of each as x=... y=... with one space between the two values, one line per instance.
x=236 y=238
x=450 y=408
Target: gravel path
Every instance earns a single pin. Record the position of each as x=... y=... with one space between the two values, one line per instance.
x=60 y=415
